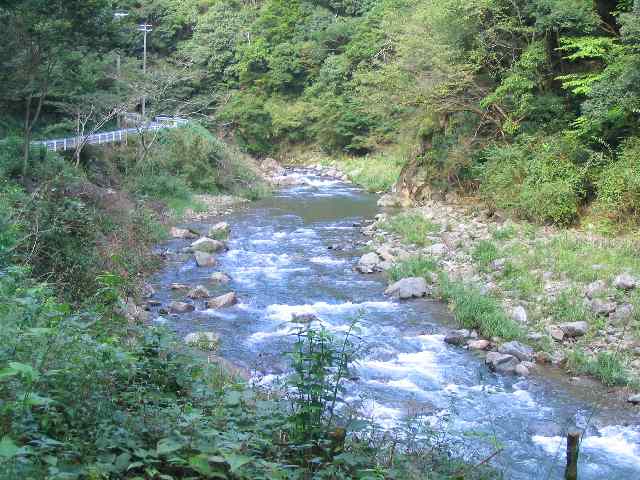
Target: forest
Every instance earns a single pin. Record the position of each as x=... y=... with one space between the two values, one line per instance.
x=531 y=108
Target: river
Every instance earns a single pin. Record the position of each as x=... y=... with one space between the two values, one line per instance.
x=281 y=264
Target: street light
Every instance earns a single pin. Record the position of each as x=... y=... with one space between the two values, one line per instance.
x=145 y=28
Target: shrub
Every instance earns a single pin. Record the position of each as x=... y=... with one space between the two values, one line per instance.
x=484 y=253
x=542 y=181
x=619 y=184
x=605 y=366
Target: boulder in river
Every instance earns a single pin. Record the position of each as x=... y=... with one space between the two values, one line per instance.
x=520 y=351
x=220 y=277
x=412 y=287
x=181 y=307
x=223 y=301
x=369 y=263
x=203 y=340
x=635 y=399
x=457 y=337
x=501 y=362
x=204 y=259
x=199 y=293
x=184 y=233
x=208 y=245
x=574 y=329
x=481 y=344
x=521 y=370
x=220 y=231
x=304 y=318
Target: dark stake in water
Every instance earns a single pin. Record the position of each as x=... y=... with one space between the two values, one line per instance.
x=281 y=264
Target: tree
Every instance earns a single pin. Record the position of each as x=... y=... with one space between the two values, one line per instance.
x=42 y=38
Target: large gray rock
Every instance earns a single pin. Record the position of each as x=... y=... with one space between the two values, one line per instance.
x=635 y=399
x=199 y=293
x=220 y=231
x=457 y=337
x=208 y=245
x=501 y=363
x=518 y=350
x=574 y=329
x=622 y=314
x=412 y=287
x=181 y=307
x=481 y=344
x=223 y=301
x=369 y=263
x=625 y=282
x=204 y=259
x=203 y=340
x=602 y=308
x=390 y=200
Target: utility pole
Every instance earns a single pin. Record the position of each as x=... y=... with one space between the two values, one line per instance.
x=145 y=28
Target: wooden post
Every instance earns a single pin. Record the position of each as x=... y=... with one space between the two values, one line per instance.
x=573 y=448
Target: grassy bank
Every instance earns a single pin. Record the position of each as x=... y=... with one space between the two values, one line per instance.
x=484 y=270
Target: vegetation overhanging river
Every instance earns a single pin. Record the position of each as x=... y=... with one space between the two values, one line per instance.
x=294 y=253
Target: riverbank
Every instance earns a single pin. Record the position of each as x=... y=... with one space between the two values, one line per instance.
x=570 y=296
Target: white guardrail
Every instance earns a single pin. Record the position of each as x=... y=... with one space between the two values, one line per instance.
x=117 y=136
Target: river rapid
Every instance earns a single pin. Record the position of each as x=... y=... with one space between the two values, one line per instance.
x=295 y=252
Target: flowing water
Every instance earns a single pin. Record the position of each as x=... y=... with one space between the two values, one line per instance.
x=281 y=264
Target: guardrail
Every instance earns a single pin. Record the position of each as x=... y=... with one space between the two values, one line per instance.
x=117 y=136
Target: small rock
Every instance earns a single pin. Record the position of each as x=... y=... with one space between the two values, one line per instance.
x=457 y=337
x=594 y=289
x=602 y=308
x=635 y=399
x=153 y=303
x=535 y=337
x=208 y=245
x=519 y=314
x=203 y=340
x=478 y=344
x=204 y=259
x=368 y=263
x=223 y=301
x=412 y=287
x=148 y=291
x=182 y=233
x=625 y=282
x=574 y=329
x=179 y=286
x=437 y=250
x=181 y=307
x=502 y=363
x=556 y=333
x=385 y=253
x=522 y=370
x=623 y=313
x=220 y=231
x=498 y=264
x=518 y=350
x=199 y=292
x=543 y=358
x=220 y=277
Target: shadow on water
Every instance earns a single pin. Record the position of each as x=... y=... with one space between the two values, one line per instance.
x=294 y=253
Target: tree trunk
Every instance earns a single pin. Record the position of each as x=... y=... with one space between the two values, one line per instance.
x=26 y=150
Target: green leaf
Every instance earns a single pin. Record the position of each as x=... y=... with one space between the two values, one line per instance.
x=17 y=368
x=200 y=464
x=8 y=449
x=236 y=461
x=168 y=445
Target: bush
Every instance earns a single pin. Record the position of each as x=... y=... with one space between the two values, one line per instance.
x=619 y=184
x=412 y=227
x=162 y=186
x=413 y=267
x=542 y=181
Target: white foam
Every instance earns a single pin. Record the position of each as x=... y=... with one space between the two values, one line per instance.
x=524 y=397
x=263 y=241
x=404 y=384
x=386 y=417
x=284 y=313
x=422 y=363
x=324 y=260
x=618 y=442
